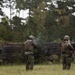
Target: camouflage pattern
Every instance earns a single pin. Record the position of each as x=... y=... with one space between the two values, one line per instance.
x=1 y=60
x=29 y=53
x=29 y=62
x=67 y=51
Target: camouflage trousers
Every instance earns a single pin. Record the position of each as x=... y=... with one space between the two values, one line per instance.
x=29 y=62
x=66 y=62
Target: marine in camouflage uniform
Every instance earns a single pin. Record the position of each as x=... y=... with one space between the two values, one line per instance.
x=67 y=51
x=29 y=52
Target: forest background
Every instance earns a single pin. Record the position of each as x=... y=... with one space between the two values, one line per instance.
x=49 y=19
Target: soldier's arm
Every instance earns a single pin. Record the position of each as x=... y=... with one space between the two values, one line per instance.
x=71 y=47
x=62 y=48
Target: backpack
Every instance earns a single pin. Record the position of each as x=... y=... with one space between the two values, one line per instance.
x=28 y=45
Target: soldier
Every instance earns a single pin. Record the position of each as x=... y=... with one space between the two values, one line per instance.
x=1 y=59
x=29 y=52
x=67 y=51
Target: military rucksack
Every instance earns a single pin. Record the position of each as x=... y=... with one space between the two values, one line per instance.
x=28 y=45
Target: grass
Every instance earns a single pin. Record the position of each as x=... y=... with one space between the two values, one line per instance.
x=50 y=69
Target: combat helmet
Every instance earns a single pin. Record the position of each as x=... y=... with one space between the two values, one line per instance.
x=31 y=37
x=66 y=37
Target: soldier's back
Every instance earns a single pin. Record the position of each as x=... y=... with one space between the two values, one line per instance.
x=28 y=45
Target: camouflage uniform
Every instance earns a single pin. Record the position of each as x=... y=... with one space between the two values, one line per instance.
x=29 y=53
x=67 y=51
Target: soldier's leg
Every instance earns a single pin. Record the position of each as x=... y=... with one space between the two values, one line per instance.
x=64 y=63
x=32 y=63
x=68 y=62
x=27 y=63
x=27 y=66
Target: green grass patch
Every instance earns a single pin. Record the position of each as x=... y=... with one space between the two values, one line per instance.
x=50 y=69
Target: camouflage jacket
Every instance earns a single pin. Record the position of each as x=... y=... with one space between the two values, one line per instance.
x=67 y=48
x=28 y=45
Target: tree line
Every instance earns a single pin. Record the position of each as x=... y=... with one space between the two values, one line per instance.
x=52 y=19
